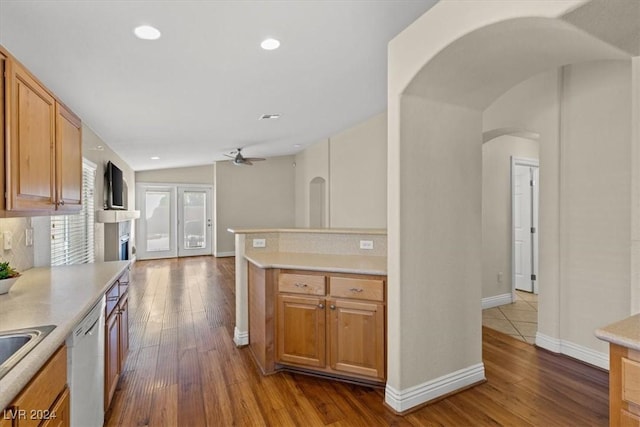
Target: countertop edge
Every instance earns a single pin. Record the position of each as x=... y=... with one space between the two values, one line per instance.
x=617 y=339
x=22 y=373
x=296 y=266
x=374 y=231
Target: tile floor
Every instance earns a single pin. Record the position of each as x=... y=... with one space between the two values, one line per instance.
x=518 y=319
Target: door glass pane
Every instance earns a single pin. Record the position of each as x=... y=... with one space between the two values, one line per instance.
x=194 y=214
x=158 y=216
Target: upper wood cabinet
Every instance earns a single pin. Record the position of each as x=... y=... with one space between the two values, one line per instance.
x=43 y=164
x=68 y=160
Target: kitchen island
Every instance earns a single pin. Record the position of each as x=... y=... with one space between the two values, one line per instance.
x=313 y=301
x=59 y=296
x=624 y=370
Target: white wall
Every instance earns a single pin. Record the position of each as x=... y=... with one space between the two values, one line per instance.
x=496 y=209
x=261 y=195
x=595 y=199
x=354 y=165
x=358 y=175
x=188 y=175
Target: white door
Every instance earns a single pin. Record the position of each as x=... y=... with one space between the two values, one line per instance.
x=156 y=234
x=175 y=221
x=524 y=221
x=194 y=221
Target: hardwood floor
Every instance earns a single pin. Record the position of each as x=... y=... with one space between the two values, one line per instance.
x=184 y=370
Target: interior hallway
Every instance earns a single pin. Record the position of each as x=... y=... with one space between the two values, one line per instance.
x=184 y=370
x=518 y=319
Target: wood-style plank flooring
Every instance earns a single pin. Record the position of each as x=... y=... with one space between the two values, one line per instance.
x=183 y=369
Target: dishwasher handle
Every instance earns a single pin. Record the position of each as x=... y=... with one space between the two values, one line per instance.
x=90 y=331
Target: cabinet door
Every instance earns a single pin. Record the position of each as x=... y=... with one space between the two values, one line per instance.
x=30 y=149
x=60 y=414
x=112 y=357
x=124 y=330
x=68 y=160
x=357 y=336
x=301 y=330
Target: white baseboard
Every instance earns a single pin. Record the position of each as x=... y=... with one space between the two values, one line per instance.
x=574 y=350
x=240 y=337
x=224 y=254
x=497 y=300
x=402 y=400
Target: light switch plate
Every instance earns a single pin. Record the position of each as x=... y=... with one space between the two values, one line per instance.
x=259 y=243
x=28 y=236
x=7 y=238
x=366 y=244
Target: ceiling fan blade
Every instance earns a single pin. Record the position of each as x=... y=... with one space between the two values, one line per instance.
x=247 y=162
x=231 y=157
x=254 y=159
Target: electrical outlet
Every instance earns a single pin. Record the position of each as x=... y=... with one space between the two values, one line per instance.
x=259 y=243
x=28 y=236
x=7 y=238
x=500 y=277
x=366 y=244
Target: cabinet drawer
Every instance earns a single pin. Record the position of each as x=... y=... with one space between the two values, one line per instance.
x=301 y=284
x=112 y=296
x=123 y=282
x=630 y=381
x=369 y=289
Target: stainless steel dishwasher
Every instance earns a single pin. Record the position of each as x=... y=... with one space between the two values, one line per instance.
x=85 y=369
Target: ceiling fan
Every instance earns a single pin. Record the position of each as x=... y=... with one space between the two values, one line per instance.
x=238 y=159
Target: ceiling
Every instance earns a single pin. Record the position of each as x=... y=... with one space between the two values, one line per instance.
x=199 y=90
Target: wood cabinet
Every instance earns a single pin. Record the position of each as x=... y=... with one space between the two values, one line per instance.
x=624 y=386
x=326 y=323
x=43 y=163
x=45 y=400
x=301 y=331
x=116 y=335
x=68 y=160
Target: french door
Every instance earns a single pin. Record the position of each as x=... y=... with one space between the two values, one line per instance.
x=175 y=220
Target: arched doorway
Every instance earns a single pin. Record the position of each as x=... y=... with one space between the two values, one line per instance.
x=437 y=92
x=317 y=198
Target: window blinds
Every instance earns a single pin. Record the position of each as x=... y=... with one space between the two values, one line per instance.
x=72 y=236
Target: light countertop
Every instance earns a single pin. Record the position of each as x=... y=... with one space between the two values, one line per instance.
x=625 y=333
x=357 y=264
x=59 y=296
x=377 y=231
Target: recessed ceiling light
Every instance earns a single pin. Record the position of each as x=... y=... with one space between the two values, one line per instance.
x=269 y=116
x=147 y=32
x=155 y=158
x=297 y=145
x=270 y=44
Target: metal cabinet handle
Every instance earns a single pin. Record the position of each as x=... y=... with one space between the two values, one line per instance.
x=301 y=285
x=332 y=307
x=358 y=290
x=62 y=202
x=320 y=305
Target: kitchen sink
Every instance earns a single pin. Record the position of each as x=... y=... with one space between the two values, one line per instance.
x=15 y=344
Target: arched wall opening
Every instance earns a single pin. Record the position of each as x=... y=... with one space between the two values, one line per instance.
x=317 y=207
x=437 y=94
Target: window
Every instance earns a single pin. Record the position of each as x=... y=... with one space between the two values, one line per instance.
x=72 y=235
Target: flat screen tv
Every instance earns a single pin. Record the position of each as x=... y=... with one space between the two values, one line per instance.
x=114 y=186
